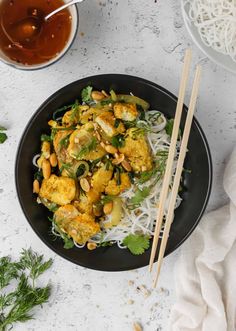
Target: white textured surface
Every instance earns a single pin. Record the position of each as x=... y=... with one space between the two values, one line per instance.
x=143 y=38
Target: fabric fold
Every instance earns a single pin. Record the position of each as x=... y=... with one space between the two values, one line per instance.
x=205 y=273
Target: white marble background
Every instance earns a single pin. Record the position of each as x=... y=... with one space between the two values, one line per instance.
x=146 y=38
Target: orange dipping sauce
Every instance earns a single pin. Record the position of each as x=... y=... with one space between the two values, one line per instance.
x=42 y=47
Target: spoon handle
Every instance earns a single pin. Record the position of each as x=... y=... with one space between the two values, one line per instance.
x=61 y=8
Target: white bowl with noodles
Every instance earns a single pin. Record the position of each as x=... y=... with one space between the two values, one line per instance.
x=220 y=59
x=74 y=28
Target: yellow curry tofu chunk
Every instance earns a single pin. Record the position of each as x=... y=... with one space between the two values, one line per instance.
x=81 y=228
x=60 y=190
x=71 y=117
x=86 y=201
x=65 y=212
x=137 y=151
x=106 y=120
x=114 y=189
x=125 y=111
x=59 y=144
x=101 y=178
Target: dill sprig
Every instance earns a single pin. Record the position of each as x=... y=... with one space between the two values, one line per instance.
x=16 y=306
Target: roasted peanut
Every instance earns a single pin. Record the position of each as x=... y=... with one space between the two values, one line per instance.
x=36 y=186
x=137 y=327
x=91 y=246
x=52 y=123
x=46 y=168
x=97 y=210
x=46 y=149
x=97 y=96
x=98 y=136
x=107 y=208
x=102 y=144
x=84 y=184
x=105 y=93
x=53 y=160
x=125 y=164
x=118 y=159
x=40 y=161
x=111 y=149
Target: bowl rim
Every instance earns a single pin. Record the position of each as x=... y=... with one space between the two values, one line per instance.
x=53 y=60
x=55 y=95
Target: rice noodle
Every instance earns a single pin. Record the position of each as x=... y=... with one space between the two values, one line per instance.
x=216 y=23
x=35 y=158
x=141 y=219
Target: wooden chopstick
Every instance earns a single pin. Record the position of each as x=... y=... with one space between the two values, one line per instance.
x=179 y=169
x=171 y=155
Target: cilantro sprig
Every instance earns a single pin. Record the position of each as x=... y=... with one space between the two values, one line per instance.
x=86 y=94
x=140 y=195
x=137 y=244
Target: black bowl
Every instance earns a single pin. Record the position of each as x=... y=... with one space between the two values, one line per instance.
x=197 y=183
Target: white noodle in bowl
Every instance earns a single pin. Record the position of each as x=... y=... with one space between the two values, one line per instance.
x=212 y=25
x=143 y=218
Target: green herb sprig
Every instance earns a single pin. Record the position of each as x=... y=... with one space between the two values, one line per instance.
x=3 y=136
x=45 y=137
x=137 y=244
x=169 y=128
x=86 y=94
x=118 y=141
x=16 y=306
x=140 y=195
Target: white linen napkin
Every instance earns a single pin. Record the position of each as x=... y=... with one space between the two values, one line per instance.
x=205 y=273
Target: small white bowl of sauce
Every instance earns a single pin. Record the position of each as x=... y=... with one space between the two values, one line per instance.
x=21 y=48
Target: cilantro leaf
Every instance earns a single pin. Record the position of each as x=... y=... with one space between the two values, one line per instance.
x=2 y=128
x=86 y=94
x=136 y=243
x=139 y=196
x=3 y=137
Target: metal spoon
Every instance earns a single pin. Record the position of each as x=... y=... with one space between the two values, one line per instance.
x=61 y=8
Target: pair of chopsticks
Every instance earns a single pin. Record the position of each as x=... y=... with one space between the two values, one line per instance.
x=170 y=160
